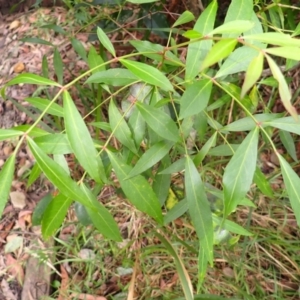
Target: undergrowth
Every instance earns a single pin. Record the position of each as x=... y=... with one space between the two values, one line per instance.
x=197 y=135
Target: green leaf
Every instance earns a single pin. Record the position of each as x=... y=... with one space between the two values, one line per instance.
x=175 y=167
x=9 y=133
x=192 y=34
x=57 y=143
x=34 y=175
x=81 y=141
x=238 y=61
x=113 y=77
x=151 y=157
x=176 y=211
x=237 y=27
x=284 y=90
x=262 y=183
x=231 y=226
x=39 y=210
x=6 y=178
x=55 y=214
x=58 y=176
x=161 y=182
x=224 y=150
x=159 y=121
x=138 y=127
x=141 y=1
x=253 y=73
x=79 y=48
x=239 y=172
x=42 y=104
x=120 y=127
x=82 y=215
x=292 y=183
x=239 y=10
x=32 y=79
x=274 y=38
x=181 y=271
x=105 y=41
x=148 y=74
x=289 y=144
x=101 y=217
x=195 y=98
x=34 y=132
x=184 y=18
x=205 y=149
x=55 y=28
x=248 y=123
x=199 y=208
x=286 y=52
x=198 y=50
x=159 y=52
x=35 y=40
x=58 y=66
x=95 y=60
x=218 y=52
x=286 y=123
x=137 y=189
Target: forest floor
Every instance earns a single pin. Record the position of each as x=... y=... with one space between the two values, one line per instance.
x=263 y=266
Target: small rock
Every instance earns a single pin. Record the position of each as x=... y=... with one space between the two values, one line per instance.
x=86 y=254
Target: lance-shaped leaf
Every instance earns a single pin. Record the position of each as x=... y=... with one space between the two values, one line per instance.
x=236 y=26
x=181 y=270
x=198 y=50
x=292 y=183
x=286 y=52
x=159 y=121
x=58 y=66
x=57 y=143
x=9 y=133
x=101 y=217
x=6 y=177
x=81 y=141
x=32 y=79
x=42 y=104
x=58 y=176
x=218 y=52
x=289 y=143
x=195 y=98
x=120 y=128
x=137 y=189
x=186 y=17
x=54 y=214
x=253 y=73
x=262 y=183
x=151 y=157
x=159 y=52
x=286 y=123
x=95 y=60
x=274 y=38
x=148 y=74
x=105 y=41
x=239 y=172
x=113 y=77
x=199 y=208
x=284 y=90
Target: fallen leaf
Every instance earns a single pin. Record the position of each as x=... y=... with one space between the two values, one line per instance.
x=18 y=199
x=14 y=24
x=19 y=67
x=14 y=268
x=87 y=297
x=6 y=291
x=14 y=242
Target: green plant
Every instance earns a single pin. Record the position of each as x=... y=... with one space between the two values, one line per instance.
x=162 y=115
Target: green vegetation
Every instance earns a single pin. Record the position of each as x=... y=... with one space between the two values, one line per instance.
x=182 y=131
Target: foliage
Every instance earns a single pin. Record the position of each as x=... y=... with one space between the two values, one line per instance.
x=171 y=119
